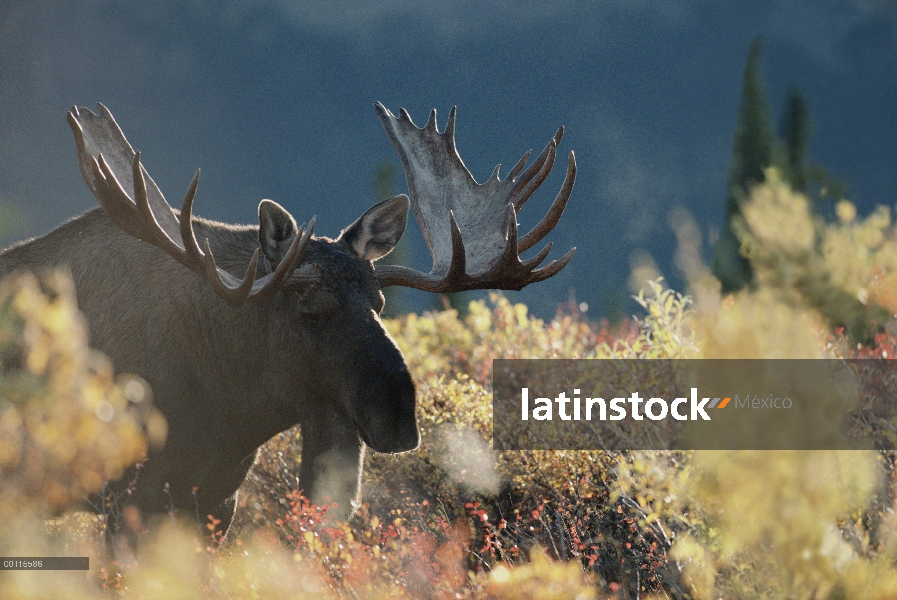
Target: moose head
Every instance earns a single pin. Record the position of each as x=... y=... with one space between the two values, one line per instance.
x=259 y=328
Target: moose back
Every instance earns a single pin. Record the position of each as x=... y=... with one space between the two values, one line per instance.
x=262 y=327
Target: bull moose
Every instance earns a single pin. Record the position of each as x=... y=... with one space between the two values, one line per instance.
x=259 y=343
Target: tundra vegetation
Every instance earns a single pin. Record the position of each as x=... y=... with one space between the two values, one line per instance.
x=454 y=519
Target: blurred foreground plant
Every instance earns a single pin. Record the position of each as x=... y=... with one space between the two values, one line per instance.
x=789 y=524
x=65 y=427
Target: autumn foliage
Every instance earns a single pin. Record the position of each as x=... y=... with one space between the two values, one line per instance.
x=455 y=519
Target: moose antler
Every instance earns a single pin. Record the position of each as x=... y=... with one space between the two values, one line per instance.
x=133 y=201
x=471 y=228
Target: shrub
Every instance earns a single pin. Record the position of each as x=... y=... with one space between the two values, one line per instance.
x=455 y=519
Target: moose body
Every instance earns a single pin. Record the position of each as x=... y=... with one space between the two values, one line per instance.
x=298 y=340
x=227 y=378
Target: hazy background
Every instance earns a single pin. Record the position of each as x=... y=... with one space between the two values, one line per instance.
x=273 y=99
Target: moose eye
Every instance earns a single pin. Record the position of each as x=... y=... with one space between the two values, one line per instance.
x=302 y=293
x=317 y=301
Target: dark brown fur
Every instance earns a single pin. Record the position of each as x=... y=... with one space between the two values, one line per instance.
x=228 y=379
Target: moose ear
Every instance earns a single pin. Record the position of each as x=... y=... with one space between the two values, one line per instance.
x=277 y=228
x=377 y=231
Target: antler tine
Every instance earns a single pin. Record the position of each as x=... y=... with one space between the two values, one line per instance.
x=524 y=194
x=519 y=166
x=288 y=264
x=159 y=236
x=148 y=216
x=454 y=279
x=509 y=258
x=557 y=208
x=552 y=268
x=235 y=295
x=536 y=260
x=534 y=168
x=186 y=218
x=105 y=182
x=449 y=132
x=458 y=266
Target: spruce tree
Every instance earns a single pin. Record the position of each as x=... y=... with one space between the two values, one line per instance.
x=795 y=132
x=752 y=152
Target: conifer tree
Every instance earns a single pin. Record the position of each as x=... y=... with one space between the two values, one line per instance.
x=795 y=132
x=801 y=174
x=752 y=152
